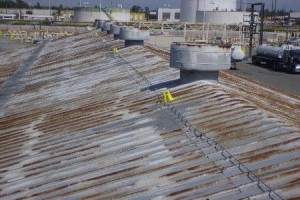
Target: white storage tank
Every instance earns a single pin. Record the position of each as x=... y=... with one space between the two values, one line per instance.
x=188 y=10
x=91 y=14
x=220 y=17
x=217 y=5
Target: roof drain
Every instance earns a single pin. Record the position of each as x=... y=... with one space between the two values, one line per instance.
x=199 y=61
x=133 y=36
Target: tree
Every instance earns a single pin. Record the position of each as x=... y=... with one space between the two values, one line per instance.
x=60 y=9
x=147 y=10
x=22 y=4
x=38 y=5
x=136 y=8
x=10 y=4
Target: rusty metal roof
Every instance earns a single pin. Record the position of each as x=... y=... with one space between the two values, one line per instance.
x=82 y=122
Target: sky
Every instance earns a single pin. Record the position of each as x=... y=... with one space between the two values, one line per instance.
x=153 y=4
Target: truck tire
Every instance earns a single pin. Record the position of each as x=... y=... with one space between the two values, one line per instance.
x=255 y=61
x=276 y=66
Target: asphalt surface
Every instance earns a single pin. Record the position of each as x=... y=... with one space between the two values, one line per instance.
x=278 y=79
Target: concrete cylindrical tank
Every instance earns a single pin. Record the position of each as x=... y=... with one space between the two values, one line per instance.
x=188 y=10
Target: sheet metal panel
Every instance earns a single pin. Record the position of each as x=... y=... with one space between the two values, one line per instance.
x=85 y=124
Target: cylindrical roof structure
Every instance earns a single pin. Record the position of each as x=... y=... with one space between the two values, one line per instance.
x=200 y=57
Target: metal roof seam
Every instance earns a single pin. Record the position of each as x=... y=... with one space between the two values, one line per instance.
x=206 y=139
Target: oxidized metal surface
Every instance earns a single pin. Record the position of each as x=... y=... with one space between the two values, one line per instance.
x=115 y=29
x=200 y=57
x=107 y=26
x=134 y=34
x=11 y=60
x=86 y=124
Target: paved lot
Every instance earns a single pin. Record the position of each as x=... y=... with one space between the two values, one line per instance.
x=278 y=79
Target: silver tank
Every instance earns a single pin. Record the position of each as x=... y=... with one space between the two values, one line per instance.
x=101 y=24
x=237 y=54
x=115 y=29
x=269 y=51
x=134 y=34
x=107 y=26
x=200 y=57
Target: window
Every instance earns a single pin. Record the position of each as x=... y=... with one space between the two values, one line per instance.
x=177 y=15
x=166 y=15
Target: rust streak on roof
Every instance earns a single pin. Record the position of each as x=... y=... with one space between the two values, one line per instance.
x=84 y=123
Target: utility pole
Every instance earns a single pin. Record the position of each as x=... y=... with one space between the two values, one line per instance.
x=100 y=8
x=253 y=25
x=6 y=6
x=49 y=7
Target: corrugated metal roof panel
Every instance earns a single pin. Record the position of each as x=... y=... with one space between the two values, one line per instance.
x=85 y=123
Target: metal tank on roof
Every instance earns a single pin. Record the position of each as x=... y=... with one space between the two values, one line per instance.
x=200 y=57
x=115 y=29
x=134 y=36
x=106 y=26
x=199 y=61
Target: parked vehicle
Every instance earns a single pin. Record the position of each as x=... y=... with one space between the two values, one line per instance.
x=279 y=58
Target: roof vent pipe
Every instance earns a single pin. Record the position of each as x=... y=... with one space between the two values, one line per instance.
x=106 y=27
x=101 y=24
x=96 y=23
x=115 y=29
x=133 y=36
x=199 y=61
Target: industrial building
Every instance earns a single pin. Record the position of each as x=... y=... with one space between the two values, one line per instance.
x=168 y=14
x=28 y=11
x=27 y=14
x=80 y=120
x=213 y=11
x=91 y=14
